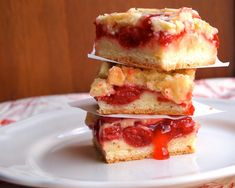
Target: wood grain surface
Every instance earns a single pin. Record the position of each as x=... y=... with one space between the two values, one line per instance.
x=44 y=43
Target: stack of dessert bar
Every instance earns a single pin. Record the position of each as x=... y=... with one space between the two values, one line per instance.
x=158 y=51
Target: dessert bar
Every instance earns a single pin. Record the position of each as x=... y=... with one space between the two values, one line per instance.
x=120 y=139
x=165 y=39
x=128 y=90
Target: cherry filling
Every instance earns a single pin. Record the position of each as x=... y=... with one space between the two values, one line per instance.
x=215 y=40
x=165 y=39
x=111 y=133
x=158 y=132
x=190 y=110
x=166 y=131
x=142 y=33
x=137 y=136
x=123 y=95
x=134 y=36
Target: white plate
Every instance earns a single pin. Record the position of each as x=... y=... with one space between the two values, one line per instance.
x=55 y=150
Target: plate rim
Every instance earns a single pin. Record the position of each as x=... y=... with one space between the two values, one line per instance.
x=65 y=182
x=165 y=182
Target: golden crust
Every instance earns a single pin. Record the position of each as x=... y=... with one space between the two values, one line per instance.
x=143 y=111
x=149 y=155
x=131 y=158
x=159 y=66
x=115 y=160
x=188 y=149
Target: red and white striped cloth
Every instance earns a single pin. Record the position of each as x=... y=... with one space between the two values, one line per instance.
x=218 y=88
x=12 y=111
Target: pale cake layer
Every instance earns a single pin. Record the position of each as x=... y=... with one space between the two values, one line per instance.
x=175 y=86
x=146 y=104
x=188 y=52
x=118 y=150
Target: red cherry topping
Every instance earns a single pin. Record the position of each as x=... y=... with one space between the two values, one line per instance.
x=111 y=133
x=123 y=95
x=137 y=136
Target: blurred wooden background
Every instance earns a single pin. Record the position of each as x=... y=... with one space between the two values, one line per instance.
x=44 y=43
